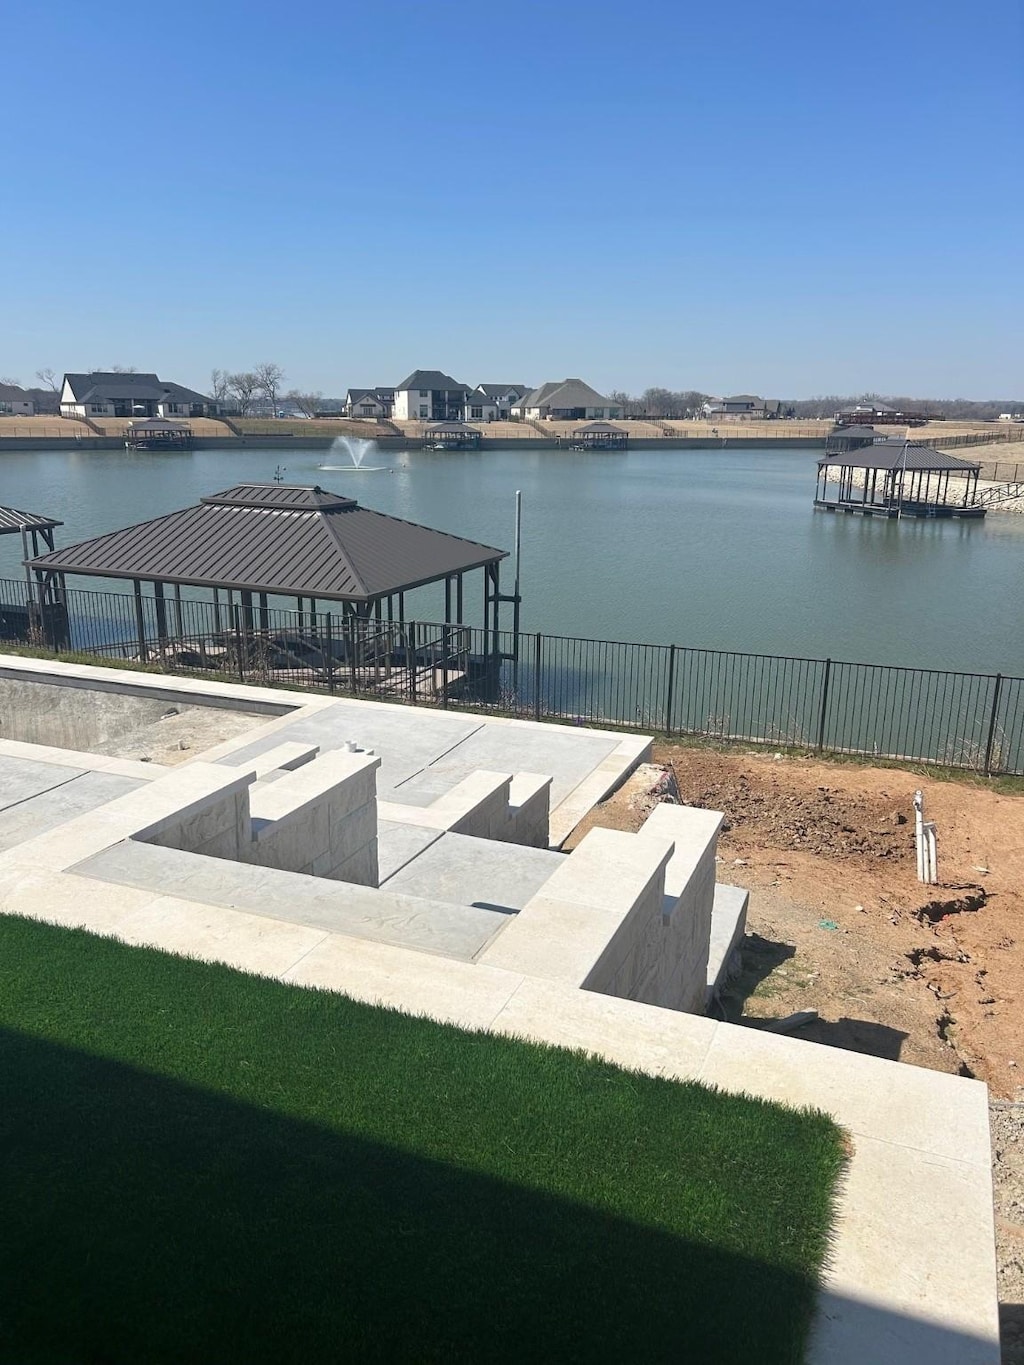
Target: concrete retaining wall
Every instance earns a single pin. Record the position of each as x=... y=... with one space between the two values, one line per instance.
x=67 y=716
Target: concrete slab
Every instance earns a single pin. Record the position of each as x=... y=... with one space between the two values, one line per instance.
x=399 y=843
x=455 y=931
x=468 y=871
x=55 y=806
x=21 y=779
x=406 y=739
x=567 y=756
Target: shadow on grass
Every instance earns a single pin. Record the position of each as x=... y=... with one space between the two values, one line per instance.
x=144 y=1220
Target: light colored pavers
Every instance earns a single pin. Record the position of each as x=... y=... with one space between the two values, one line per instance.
x=912 y=1275
x=250 y=943
x=936 y=1114
x=416 y=983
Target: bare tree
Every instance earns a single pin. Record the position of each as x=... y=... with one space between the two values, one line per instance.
x=10 y=380
x=243 y=387
x=631 y=407
x=220 y=386
x=123 y=369
x=307 y=403
x=49 y=379
x=268 y=381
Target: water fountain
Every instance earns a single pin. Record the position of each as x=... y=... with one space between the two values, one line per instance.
x=357 y=448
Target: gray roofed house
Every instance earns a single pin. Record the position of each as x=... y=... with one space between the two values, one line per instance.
x=376 y=402
x=431 y=396
x=503 y=396
x=567 y=399
x=430 y=379
x=15 y=401
x=105 y=393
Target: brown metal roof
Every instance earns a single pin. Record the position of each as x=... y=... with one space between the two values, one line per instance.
x=11 y=521
x=294 y=541
x=899 y=455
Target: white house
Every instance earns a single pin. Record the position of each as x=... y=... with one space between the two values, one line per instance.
x=566 y=400
x=503 y=396
x=15 y=402
x=377 y=402
x=430 y=396
x=112 y=394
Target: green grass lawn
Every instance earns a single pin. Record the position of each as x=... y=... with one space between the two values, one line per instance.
x=203 y=1166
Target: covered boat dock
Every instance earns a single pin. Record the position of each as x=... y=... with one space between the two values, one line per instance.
x=893 y=478
x=155 y=434
x=451 y=435
x=17 y=620
x=599 y=436
x=254 y=543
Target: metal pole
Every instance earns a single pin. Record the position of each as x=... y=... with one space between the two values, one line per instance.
x=903 y=475
x=518 y=538
x=670 y=687
x=536 y=675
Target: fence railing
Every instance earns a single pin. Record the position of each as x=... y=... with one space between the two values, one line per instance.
x=970 y=721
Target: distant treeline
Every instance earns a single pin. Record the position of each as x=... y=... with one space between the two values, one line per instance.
x=965 y=409
x=688 y=403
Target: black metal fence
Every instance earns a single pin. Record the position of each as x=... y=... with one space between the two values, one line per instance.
x=970 y=721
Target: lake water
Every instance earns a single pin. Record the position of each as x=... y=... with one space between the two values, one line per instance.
x=706 y=548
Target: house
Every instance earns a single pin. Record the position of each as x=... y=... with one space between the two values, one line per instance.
x=566 y=400
x=378 y=402
x=503 y=396
x=430 y=396
x=15 y=401
x=743 y=407
x=114 y=394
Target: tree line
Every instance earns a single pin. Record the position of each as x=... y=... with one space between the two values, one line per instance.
x=242 y=390
x=655 y=402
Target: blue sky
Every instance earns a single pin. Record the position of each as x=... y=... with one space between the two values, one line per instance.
x=794 y=199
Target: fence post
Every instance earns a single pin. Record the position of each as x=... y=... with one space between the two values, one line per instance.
x=446 y=651
x=536 y=675
x=992 y=724
x=329 y=640
x=236 y=612
x=824 y=705
x=410 y=659
x=670 y=687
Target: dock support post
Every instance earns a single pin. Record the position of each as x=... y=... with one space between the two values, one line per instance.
x=329 y=651
x=990 y=741
x=140 y=621
x=824 y=705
